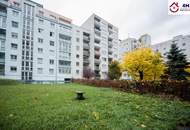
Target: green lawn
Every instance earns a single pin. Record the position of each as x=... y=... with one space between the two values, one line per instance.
x=24 y=107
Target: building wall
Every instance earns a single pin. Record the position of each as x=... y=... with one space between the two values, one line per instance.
x=183 y=42
x=104 y=44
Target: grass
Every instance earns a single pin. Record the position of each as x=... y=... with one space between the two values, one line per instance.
x=25 y=107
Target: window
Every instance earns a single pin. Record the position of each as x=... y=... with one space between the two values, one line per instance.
x=41 y=13
x=13 y=57
x=14 y=35
x=14 y=46
x=51 y=34
x=52 y=24
x=51 y=62
x=51 y=71
x=15 y=13
x=77 y=63
x=40 y=30
x=77 y=56
x=77 y=48
x=51 y=51
x=40 y=61
x=41 y=21
x=13 y=69
x=40 y=50
x=40 y=40
x=77 y=71
x=51 y=43
x=40 y=70
x=14 y=24
x=77 y=39
x=52 y=17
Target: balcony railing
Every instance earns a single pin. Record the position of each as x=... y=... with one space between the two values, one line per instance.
x=2 y=48
x=86 y=46
x=86 y=38
x=2 y=36
x=2 y=61
x=96 y=23
x=86 y=53
x=86 y=61
x=97 y=61
x=97 y=53
x=96 y=68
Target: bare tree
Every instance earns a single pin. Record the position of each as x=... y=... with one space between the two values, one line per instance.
x=88 y=73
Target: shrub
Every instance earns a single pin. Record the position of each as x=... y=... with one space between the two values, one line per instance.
x=180 y=89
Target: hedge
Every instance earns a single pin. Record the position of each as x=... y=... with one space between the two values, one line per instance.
x=180 y=89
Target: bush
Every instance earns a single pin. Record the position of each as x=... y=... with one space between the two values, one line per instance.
x=9 y=82
x=180 y=89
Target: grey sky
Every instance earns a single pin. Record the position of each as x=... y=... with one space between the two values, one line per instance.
x=132 y=17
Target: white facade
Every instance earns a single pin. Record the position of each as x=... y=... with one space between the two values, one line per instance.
x=104 y=44
x=42 y=46
x=131 y=44
x=183 y=42
x=37 y=43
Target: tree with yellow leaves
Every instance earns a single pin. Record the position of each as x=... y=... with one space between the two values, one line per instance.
x=143 y=64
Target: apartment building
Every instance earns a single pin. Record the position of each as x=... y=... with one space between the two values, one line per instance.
x=130 y=44
x=104 y=44
x=39 y=45
x=182 y=41
x=80 y=51
x=35 y=42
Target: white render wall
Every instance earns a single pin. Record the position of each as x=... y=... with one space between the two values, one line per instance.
x=102 y=48
x=8 y=51
x=183 y=42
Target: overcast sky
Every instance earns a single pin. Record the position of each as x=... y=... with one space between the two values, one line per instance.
x=132 y=17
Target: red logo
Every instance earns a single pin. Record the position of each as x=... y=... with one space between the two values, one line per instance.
x=174 y=7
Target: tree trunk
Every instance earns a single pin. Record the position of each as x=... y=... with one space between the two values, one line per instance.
x=141 y=74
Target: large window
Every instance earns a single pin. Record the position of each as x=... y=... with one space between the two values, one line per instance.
x=14 y=35
x=14 y=57
x=14 y=46
x=40 y=50
x=13 y=69
x=40 y=70
x=14 y=24
x=51 y=61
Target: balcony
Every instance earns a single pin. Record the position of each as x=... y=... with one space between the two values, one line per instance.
x=3 y=25
x=96 y=68
x=4 y=2
x=2 y=69
x=86 y=46
x=86 y=61
x=96 y=23
x=2 y=48
x=97 y=30
x=97 y=61
x=2 y=36
x=96 y=19
x=86 y=39
x=97 y=53
x=2 y=61
x=97 y=39
x=86 y=53
x=110 y=44
x=110 y=50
